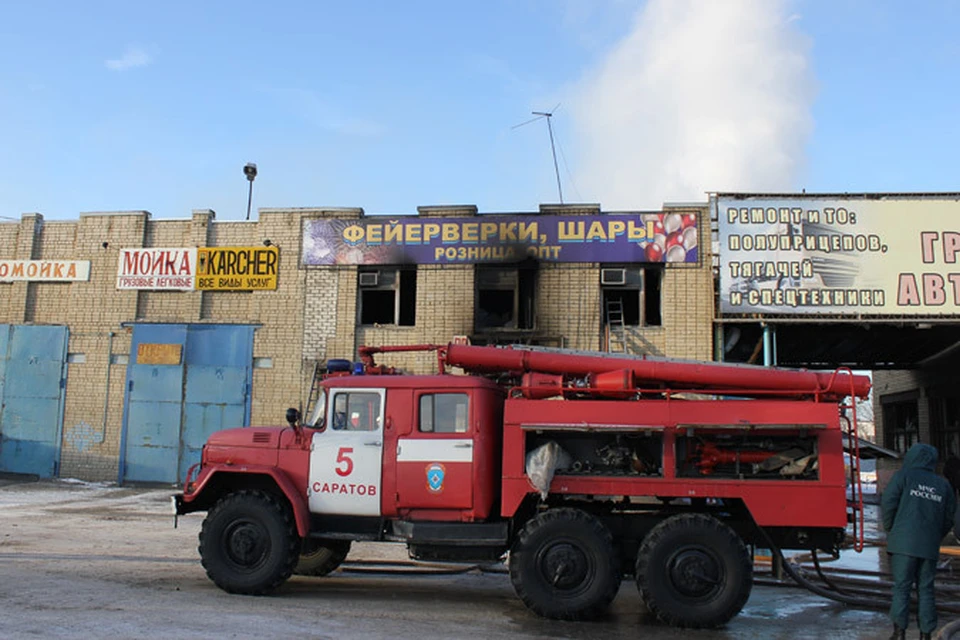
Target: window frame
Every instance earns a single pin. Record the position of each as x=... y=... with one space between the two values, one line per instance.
x=899 y=433
x=643 y=281
x=945 y=421
x=432 y=395
x=523 y=282
x=345 y=423
x=404 y=287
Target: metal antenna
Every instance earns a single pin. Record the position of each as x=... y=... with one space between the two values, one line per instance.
x=547 y=115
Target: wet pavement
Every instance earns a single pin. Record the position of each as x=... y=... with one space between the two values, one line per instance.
x=80 y=560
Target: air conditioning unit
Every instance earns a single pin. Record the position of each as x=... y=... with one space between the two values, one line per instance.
x=369 y=278
x=613 y=276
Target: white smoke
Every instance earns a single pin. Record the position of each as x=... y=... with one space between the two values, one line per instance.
x=700 y=96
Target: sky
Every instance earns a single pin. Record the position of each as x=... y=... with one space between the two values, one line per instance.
x=114 y=106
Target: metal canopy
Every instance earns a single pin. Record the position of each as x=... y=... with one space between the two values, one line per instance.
x=870 y=346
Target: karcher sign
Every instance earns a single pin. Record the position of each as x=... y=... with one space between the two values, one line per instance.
x=237 y=268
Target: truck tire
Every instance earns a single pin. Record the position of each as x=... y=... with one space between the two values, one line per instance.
x=563 y=565
x=248 y=543
x=321 y=557
x=693 y=571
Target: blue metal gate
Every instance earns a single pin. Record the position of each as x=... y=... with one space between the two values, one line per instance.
x=153 y=406
x=172 y=407
x=32 y=379
x=219 y=375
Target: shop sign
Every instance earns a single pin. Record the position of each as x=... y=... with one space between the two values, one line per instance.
x=631 y=238
x=44 y=270
x=171 y=269
x=237 y=268
x=850 y=256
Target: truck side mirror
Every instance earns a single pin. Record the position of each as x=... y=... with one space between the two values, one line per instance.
x=293 y=417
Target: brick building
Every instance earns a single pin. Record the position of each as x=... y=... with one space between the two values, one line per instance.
x=125 y=340
x=919 y=406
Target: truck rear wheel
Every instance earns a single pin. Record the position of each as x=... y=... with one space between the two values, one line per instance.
x=693 y=571
x=319 y=558
x=248 y=543
x=563 y=565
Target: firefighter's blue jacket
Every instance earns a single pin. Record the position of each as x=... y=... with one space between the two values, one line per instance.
x=918 y=506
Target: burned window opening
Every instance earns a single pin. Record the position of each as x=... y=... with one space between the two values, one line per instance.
x=505 y=298
x=629 y=301
x=901 y=424
x=377 y=307
x=635 y=299
x=408 y=298
x=495 y=309
x=652 y=279
x=387 y=297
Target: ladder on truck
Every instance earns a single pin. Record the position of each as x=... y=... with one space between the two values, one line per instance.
x=851 y=431
x=615 y=327
x=319 y=368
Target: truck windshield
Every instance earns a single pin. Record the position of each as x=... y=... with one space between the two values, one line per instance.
x=319 y=411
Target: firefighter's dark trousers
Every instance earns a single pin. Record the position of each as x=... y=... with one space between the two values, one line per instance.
x=909 y=571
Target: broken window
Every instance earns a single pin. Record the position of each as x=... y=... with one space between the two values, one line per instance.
x=945 y=422
x=901 y=423
x=631 y=296
x=388 y=296
x=505 y=297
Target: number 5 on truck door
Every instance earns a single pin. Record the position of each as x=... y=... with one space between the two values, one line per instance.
x=345 y=461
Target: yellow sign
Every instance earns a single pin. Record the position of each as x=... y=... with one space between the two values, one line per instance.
x=237 y=268
x=157 y=353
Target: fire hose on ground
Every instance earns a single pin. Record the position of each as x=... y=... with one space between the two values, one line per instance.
x=852 y=587
x=856 y=592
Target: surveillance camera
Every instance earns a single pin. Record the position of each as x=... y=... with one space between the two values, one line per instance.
x=250 y=170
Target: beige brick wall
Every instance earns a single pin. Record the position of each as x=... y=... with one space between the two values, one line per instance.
x=24 y=244
x=444 y=310
x=9 y=242
x=568 y=304
x=94 y=407
x=311 y=317
x=96 y=313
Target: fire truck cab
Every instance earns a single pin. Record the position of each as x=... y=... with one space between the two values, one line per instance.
x=417 y=448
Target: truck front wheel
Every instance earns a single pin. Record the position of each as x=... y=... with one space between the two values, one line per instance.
x=248 y=543
x=693 y=571
x=318 y=558
x=563 y=565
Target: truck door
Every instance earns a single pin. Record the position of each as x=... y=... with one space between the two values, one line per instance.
x=435 y=462
x=345 y=459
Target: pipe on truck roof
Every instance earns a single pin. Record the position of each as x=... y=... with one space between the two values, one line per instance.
x=673 y=373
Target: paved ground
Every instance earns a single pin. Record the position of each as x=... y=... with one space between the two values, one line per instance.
x=80 y=560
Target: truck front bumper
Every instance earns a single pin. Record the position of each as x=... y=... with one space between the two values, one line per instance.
x=176 y=505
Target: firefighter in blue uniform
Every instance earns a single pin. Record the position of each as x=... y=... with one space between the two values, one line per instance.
x=918 y=508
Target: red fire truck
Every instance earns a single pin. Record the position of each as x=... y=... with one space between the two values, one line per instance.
x=580 y=467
